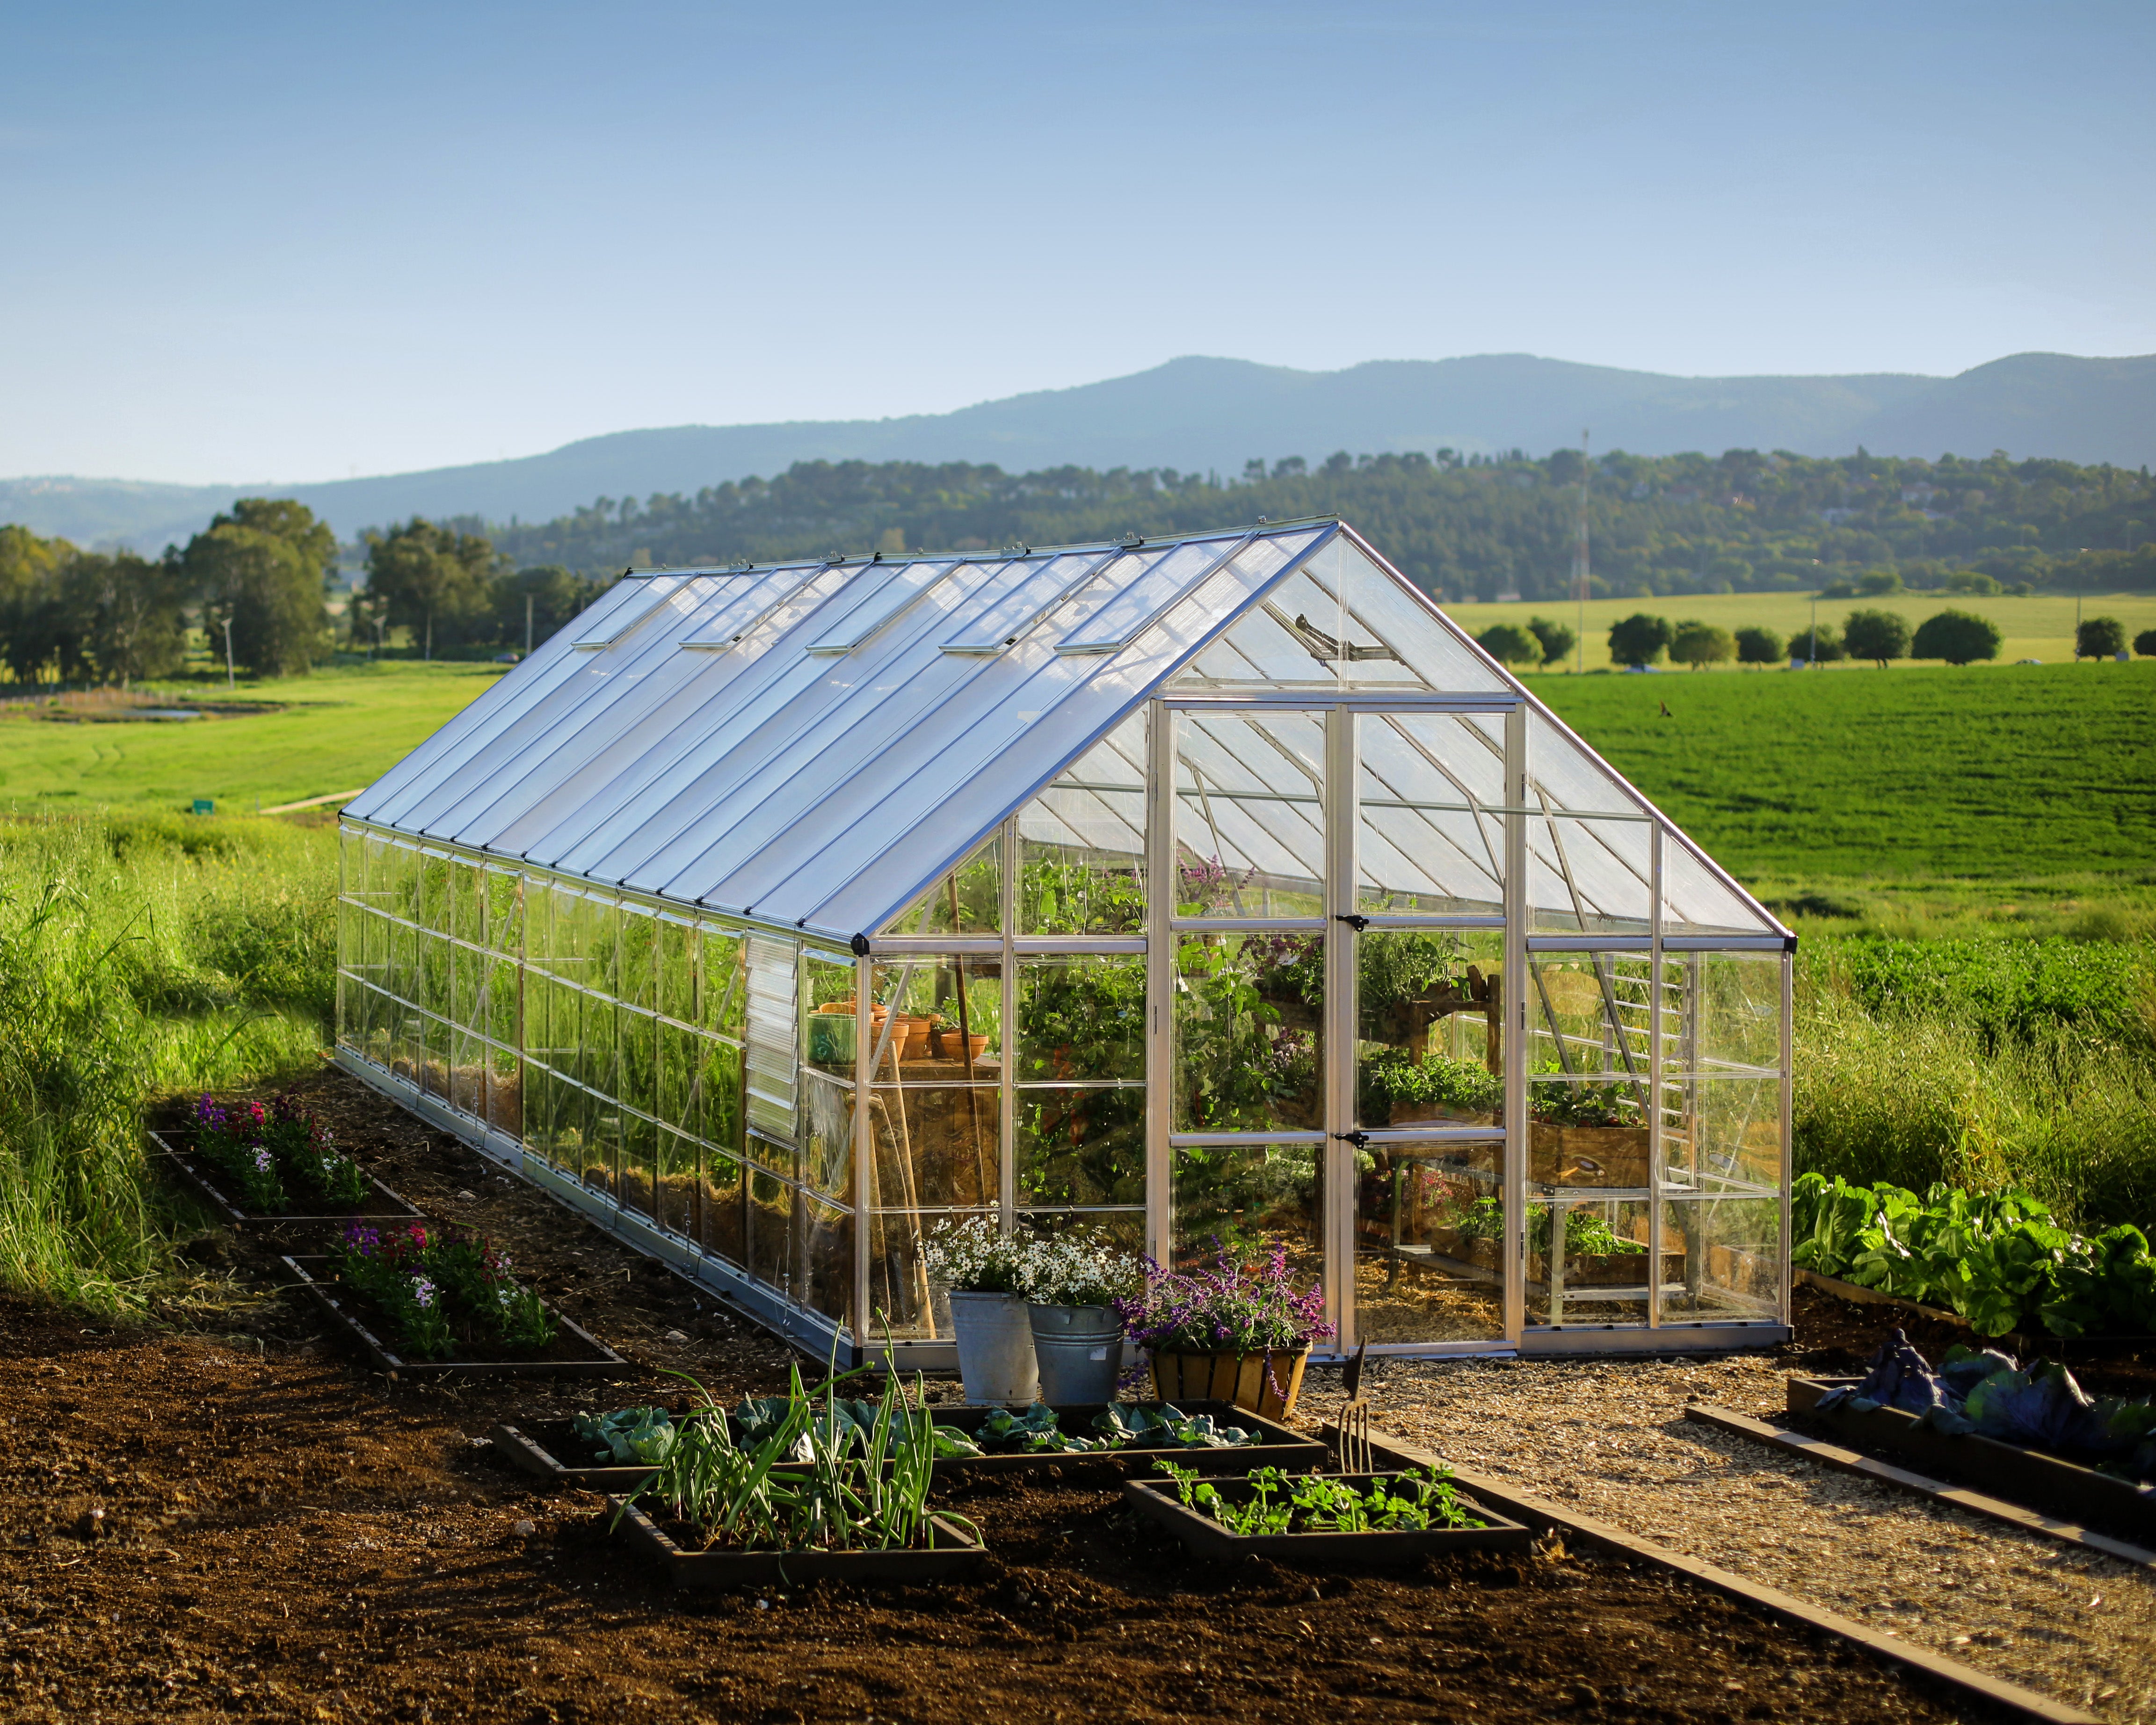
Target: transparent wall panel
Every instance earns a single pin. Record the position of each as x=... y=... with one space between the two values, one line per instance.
x=638 y=984
x=935 y=1145
x=1427 y=841
x=636 y=1073
x=680 y=1064
x=603 y=1143
x=1590 y=1020
x=431 y=906
x=433 y=990
x=825 y=1279
x=466 y=963
x=944 y=1015
x=597 y=1042
x=827 y=1136
x=1081 y=1019
x=1249 y=814
x=638 y=1186
x=465 y=1084
x=1245 y=1198
x=1428 y=1236
x=900 y=1293
x=505 y=911
x=466 y=918
x=719 y=1087
x=1248 y=1028
x=1080 y=1144
x=1588 y=1262
x=499 y=989
x=1428 y=1018
x=541 y=1112
x=721 y=983
x=720 y=1224
x=967 y=900
x=1589 y=875
x=770 y=1230
x=1737 y=1010
x=349 y=917
x=505 y=1089
x=677 y=970
x=1728 y=1254
x=1081 y=844
x=675 y=1174
x=435 y=1058
x=1124 y=1229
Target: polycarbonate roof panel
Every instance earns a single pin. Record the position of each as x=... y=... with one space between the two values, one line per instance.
x=839 y=734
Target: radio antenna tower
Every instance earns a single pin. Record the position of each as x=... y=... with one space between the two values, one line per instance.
x=1579 y=563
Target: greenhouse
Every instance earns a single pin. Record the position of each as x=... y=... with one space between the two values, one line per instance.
x=1217 y=891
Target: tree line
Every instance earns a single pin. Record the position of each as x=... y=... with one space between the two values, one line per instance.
x=1462 y=527
x=255 y=584
x=1957 y=637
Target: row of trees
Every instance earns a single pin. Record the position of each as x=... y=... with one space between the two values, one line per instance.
x=254 y=582
x=1743 y=521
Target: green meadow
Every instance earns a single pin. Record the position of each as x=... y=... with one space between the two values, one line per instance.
x=334 y=731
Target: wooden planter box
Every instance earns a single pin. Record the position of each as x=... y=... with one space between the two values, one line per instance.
x=1281 y=1446
x=956 y=1556
x=206 y=1183
x=1266 y=1385
x=551 y=1450
x=1203 y=1537
x=2028 y=1477
x=575 y=1353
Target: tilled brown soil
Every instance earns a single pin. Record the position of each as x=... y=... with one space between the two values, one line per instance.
x=252 y=1524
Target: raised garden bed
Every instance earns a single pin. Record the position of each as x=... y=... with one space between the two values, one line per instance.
x=1159 y=1501
x=574 y=1352
x=380 y=1203
x=551 y=1450
x=2026 y=1477
x=1280 y=1445
x=956 y=1555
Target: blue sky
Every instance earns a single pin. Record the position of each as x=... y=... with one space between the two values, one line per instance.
x=294 y=242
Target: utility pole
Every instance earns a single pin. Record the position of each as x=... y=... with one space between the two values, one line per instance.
x=1580 y=565
x=227 y=653
x=527 y=625
x=1811 y=659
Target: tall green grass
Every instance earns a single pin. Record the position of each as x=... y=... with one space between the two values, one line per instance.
x=140 y=957
x=1985 y=1063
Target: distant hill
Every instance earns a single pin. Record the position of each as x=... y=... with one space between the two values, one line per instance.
x=1199 y=414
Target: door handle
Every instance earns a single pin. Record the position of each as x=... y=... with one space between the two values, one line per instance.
x=1358 y=923
x=1358 y=1139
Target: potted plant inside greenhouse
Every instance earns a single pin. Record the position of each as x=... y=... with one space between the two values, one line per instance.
x=1232 y=1334
x=1075 y=1285
x=988 y=1274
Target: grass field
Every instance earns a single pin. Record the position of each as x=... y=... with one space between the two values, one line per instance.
x=337 y=731
x=1990 y=773
x=2039 y=626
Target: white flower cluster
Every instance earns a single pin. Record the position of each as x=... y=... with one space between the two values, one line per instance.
x=1084 y=1267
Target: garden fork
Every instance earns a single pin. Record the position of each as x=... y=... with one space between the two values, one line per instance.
x=1354 y=1425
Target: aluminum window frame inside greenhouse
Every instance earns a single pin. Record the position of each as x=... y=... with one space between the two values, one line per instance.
x=770 y=914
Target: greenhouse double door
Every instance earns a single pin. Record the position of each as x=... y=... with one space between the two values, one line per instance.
x=1345 y=1004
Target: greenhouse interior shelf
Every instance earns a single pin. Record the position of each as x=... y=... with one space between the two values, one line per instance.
x=1215 y=890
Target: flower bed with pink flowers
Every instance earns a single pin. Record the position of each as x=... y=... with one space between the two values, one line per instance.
x=439 y=1291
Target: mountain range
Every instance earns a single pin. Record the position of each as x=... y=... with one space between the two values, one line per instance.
x=1199 y=414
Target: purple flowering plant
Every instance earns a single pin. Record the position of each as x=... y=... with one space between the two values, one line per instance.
x=272 y=1152
x=440 y=1287
x=1231 y=1309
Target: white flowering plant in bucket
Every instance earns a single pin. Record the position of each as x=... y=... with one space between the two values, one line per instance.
x=1084 y=1267
x=974 y=1256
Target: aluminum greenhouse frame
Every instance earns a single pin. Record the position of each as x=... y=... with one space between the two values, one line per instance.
x=1208 y=888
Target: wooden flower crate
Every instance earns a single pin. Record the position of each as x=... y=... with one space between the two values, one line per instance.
x=1202 y=1537
x=575 y=1353
x=1281 y=1446
x=956 y=1555
x=205 y=1183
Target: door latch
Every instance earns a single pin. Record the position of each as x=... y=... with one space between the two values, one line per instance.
x=1358 y=923
x=1358 y=1139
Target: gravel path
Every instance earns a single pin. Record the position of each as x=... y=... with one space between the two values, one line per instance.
x=1611 y=1440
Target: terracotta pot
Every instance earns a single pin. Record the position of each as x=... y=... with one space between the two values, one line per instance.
x=1261 y=1384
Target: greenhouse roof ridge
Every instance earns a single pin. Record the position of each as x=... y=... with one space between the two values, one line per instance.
x=832 y=560
x=811 y=744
